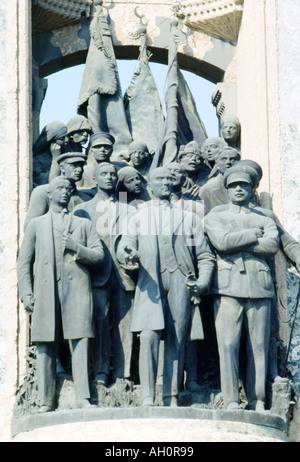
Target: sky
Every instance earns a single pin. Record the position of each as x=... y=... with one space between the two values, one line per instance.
x=63 y=90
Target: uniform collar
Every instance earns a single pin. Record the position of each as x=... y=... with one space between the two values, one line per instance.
x=239 y=209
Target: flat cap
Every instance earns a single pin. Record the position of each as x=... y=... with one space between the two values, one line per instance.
x=72 y=156
x=102 y=138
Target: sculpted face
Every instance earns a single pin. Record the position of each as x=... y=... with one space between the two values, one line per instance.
x=227 y=159
x=230 y=130
x=60 y=191
x=138 y=157
x=72 y=170
x=239 y=192
x=177 y=173
x=102 y=152
x=161 y=183
x=62 y=140
x=211 y=150
x=133 y=184
x=106 y=177
x=80 y=137
x=191 y=162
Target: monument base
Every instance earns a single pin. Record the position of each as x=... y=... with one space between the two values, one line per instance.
x=150 y=424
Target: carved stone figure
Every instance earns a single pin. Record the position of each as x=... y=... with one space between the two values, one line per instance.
x=290 y=248
x=139 y=157
x=100 y=150
x=113 y=289
x=210 y=150
x=182 y=199
x=71 y=167
x=52 y=141
x=230 y=130
x=79 y=130
x=243 y=239
x=162 y=297
x=196 y=171
x=214 y=193
x=131 y=187
x=61 y=247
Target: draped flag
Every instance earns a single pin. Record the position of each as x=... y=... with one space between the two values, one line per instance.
x=142 y=104
x=100 y=98
x=183 y=123
x=190 y=125
x=167 y=150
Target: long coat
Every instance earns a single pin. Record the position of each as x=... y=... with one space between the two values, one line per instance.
x=191 y=251
x=242 y=270
x=76 y=297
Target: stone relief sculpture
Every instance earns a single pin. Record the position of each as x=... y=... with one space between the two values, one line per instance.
x=58 y=296
x=243 y=286
x=163 y=293
x=230 y=130
x=124 y=252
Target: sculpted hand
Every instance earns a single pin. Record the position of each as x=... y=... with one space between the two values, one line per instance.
x=28 y=302
x=55 y=150
x=69 y=242
x=259 y=232
x=131 y=256
x=196 y=288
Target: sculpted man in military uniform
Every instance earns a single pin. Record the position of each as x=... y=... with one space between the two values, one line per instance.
x=170 y=246
x=243 y=287
x=61 y=247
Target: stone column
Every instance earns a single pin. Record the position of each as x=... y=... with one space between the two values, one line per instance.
x=288 y=13
x=15 y=110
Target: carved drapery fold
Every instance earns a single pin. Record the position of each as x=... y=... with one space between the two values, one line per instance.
x=221 y=18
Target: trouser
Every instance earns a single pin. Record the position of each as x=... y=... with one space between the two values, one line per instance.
x=230 y=314
x=112 y=346
x=46 y=370
x=48 y=353
x=177 y=321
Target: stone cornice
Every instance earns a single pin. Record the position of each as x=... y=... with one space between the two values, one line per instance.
x=221 y=18
x=68 y=8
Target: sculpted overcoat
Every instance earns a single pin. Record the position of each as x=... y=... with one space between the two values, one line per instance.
x=191 y=251
x=36 y=275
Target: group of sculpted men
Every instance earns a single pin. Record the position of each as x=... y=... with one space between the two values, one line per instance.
x=113 y=247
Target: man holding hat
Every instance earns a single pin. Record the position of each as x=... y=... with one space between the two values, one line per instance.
x=71 y=167
x=242 y=286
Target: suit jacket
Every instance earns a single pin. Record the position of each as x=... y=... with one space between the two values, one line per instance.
x=108 y=217
x=242 y=270
x=76 y=299
x=191 y=251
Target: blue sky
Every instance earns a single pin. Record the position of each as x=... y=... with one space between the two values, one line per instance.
x=64 y=86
